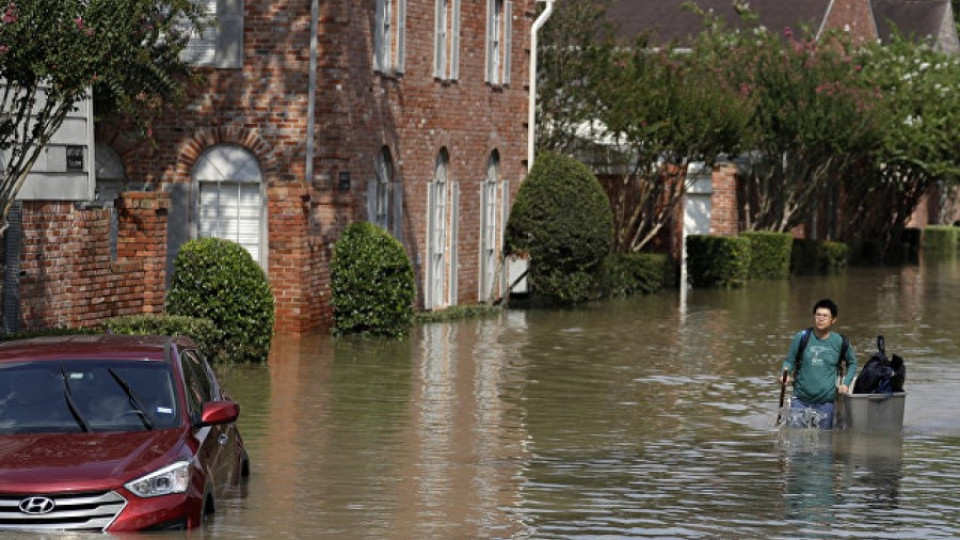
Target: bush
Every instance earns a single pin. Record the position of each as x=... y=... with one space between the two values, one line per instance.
x=816 y=257
x=372 y=282
x=769 y=254
x=202 y=331
x=717 y=261
x=629 y=274
x=940 y=239
x=217 y=280
x=562 y=218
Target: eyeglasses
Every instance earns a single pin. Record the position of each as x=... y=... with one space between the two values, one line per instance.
x=822 y=316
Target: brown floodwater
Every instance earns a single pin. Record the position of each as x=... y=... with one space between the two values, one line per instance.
x=650 y=417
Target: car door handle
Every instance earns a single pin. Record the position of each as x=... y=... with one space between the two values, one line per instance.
x=223 y=439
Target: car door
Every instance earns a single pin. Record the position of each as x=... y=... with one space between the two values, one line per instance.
x=217 y=443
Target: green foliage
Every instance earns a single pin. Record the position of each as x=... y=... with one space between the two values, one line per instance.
x=202 y=331
x=818 y=257
x=454 y=313
x=218 y=280
x=562 y=219
x=53 y=51
x=718 y=261
x=769 y=254
x=940 y=239
x=630 y=274
x=372 y=282
x=642 y=117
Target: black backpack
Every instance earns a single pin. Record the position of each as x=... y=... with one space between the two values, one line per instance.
x=881 y=375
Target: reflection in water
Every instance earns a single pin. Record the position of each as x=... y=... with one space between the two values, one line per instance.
x=619 y=419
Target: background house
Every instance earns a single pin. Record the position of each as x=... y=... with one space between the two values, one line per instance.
x=310 y=115
x=711 y=207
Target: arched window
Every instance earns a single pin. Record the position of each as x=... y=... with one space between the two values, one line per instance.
x=490 y=225
x=441 y=230
x=229 y=198
x=385 y=195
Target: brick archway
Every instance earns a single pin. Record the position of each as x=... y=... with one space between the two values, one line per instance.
x=206 y=138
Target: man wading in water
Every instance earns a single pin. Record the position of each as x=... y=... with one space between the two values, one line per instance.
x=813 y=364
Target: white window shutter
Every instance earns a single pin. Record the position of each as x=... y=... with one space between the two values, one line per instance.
x=428 y=299
x=439 y=41
x=455 y=42
x=378 y=37
x=372 y=200
x=229 y=52
x=507 y=40
x=454 y=244
x=401 y=35
x=397 y=190
x=490 y=38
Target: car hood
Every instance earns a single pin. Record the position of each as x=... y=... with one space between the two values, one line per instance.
x=88 y=461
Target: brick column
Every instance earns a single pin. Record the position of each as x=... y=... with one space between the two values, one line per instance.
x=723 y=201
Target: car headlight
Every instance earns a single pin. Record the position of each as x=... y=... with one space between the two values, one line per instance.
x=170 y=479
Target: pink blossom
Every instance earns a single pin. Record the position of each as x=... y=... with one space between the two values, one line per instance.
x=4 y=49
x=10 y=15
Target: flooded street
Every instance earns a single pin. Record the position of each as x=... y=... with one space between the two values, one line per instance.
x=650 y=417
x=644 y=418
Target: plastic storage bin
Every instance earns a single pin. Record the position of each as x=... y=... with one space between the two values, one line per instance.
x=872 y=412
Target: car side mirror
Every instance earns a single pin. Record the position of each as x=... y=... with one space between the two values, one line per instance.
x=219 y=412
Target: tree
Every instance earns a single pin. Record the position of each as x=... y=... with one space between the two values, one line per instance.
x=920 y=103
x=53 y=52
x=637 y=114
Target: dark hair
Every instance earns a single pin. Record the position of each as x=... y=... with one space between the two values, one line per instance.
x=826 y=303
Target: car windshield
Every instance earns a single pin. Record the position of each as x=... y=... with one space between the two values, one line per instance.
x=86 y=395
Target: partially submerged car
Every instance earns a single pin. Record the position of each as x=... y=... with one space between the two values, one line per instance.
x=113 y=433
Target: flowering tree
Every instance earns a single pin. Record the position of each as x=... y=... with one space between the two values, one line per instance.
x=639 y=116
x=920 y=101
x=53 y=52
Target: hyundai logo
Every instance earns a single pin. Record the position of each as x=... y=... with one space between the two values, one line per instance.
x=37 y=505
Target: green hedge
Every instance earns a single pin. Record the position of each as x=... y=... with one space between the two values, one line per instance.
x=218 y=280
x=202 y=331
x=769 y=254
x=818 y=257
x=940 y=239
x=562 y=218
x=718 y=261
x=372 y=282
x=629 y=274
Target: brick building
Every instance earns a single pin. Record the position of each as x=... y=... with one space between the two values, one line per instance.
x=310 y=115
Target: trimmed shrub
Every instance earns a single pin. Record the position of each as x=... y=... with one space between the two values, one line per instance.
x=202 y=331
x=718 y=261
x=372 y=282
x=562 y=218
x=769 y=254
x=940 y=239
x=630 y=274
x=456 y=313
x=218 y=280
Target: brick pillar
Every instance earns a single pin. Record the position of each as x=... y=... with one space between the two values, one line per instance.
x=723 y=201
x=142 y=238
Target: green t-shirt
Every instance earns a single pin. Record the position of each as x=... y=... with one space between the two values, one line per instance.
x=817 y=380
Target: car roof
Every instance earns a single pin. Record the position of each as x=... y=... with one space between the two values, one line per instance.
x=106 y=346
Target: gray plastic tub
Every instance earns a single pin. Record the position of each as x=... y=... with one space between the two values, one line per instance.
x=872 y=412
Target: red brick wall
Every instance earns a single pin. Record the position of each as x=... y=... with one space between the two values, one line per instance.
x=67 y=276
x=723 y=201
x=262 y=107
x=855 y=17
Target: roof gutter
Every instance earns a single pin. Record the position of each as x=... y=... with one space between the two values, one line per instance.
x=532 y=105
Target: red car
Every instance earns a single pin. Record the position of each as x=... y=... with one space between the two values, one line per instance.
x=113 y=433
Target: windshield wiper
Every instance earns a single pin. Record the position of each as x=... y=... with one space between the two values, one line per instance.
x=144 y=416
x=74 y=410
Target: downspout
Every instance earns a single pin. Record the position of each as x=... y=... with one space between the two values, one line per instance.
x=312 y=90
x=532 y=105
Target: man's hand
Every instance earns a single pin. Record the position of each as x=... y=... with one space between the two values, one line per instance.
x=843 y=388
